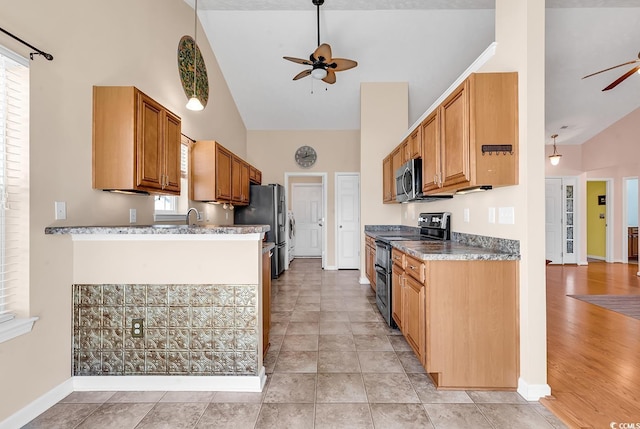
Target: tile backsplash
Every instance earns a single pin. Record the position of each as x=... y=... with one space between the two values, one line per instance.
x=188 y=329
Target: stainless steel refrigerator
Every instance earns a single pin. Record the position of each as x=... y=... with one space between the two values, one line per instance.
x=267 y=207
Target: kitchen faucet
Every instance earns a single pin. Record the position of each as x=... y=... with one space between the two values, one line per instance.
x=189 y=212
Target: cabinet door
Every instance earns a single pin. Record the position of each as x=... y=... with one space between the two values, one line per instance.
x=172 y=153
x=396 y=162
x=415 y=144
x=413 y=316
x=244 y=181
x=223 y=173
x=405 y=151
x=430 y=153
x=236 y=180
x=387 y=180
x=370 y=257
x=149 y=142
x=397 y=283
x=454 y=137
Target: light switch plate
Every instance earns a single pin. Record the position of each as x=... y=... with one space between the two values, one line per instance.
x=61 y=210
x=506 y=215
x=466 y=215
x=133 y=216
x=492 y=215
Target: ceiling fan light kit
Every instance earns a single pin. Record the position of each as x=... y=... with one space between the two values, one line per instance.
x=323 y=66
x=554 y=159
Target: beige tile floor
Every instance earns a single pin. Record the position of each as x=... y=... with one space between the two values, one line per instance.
x=332 y=363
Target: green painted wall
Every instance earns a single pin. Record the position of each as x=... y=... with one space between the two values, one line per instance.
x=596 y=227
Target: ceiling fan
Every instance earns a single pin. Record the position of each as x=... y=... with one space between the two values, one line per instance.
x=621 y=78
x=322 y=65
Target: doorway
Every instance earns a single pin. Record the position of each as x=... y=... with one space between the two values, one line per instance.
x=306 y=195
x=599 y=210
x=630 y=220
x=561 y=220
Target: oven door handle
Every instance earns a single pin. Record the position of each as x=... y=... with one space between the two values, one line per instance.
x=380 y=269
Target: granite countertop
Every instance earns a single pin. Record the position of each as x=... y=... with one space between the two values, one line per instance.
x=158 y=229
x=451 y=251
x=462 y=247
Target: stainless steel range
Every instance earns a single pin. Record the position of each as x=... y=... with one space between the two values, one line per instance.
x=433 y=226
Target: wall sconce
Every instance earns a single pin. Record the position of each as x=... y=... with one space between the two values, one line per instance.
x=555 y=158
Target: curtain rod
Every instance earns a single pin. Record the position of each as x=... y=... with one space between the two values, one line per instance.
x=37 y=51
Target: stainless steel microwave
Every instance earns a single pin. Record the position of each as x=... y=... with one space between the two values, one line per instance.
x=409 y=181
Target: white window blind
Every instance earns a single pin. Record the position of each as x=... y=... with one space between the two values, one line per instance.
x=14 y=181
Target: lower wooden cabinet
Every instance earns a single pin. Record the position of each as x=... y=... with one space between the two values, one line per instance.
x=633 y=242
x=397 y=284
x=370 y=261
x=414 y=320
x=266 y=300
x=460 y=318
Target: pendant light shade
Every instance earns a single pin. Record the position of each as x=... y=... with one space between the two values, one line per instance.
x=555 y=158
x=194 y=102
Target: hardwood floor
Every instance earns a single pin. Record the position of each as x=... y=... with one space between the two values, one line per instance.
x=593 y=353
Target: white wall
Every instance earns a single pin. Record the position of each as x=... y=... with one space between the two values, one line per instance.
x=118 y=42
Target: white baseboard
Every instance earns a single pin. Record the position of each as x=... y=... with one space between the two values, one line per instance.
x=599 y=258
x=172 y=383
x=331 y=268
x=39 y=406
x=533 y=392
x=134 y=383
x=364 y=281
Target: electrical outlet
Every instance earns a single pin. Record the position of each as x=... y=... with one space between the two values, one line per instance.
x=466 y=215
x=133 y=216
x=60 y=210
x=137 y=328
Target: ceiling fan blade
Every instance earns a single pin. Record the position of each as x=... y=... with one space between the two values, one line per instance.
x=330 y=77
x=621 y=78
x=303 y=73
x=611 y=68
x=299 y=61
x=323 y=51
x=340 y=64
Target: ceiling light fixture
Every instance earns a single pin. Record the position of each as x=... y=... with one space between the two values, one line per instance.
x=555 y=158
x=194 y=103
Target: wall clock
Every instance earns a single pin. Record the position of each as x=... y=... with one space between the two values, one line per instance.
x=186 y=63
x=306 y=156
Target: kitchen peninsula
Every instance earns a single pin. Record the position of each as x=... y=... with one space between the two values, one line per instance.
x=177 y=307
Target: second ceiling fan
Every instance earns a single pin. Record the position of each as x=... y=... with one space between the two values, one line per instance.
x=322 y=65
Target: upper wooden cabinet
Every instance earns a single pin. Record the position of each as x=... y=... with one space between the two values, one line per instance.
x=136 y=142
x=217 y=174
x=472 y=137
x=415 y=144
x=255 y=175
x=210 y=172
x=388 y=181
x=239 y=181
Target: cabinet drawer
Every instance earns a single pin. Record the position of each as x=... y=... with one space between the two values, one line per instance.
x=398 y=258
x=415 y=268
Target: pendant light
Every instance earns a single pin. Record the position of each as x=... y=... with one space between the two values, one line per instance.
x=555 y=158
x=194 y=103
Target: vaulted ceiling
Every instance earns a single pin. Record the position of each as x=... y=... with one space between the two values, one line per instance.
x=427 y=43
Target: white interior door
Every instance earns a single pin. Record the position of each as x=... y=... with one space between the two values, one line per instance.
x=553 y=220
x=308 y=210
x=348 y=220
